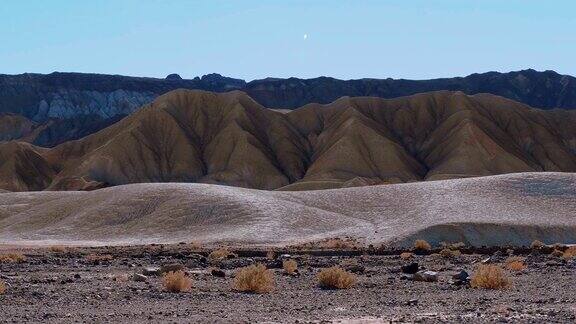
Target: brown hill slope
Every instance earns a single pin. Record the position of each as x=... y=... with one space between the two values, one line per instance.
x=197 y=136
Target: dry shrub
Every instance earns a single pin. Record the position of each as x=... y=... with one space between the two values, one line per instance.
x=447 y=253
x=194 y=246
x=97 y=258
x=515 y=264
x=570 y=252
x=557 y=253
x=422 y=245
x=57 y=249
x=176 y=282
x=12 y=258
x=270 y=255
x=254 y=279
x=336 y=277
x=406 y=255
x=290 y=266
x=536 y=244
x=339 y=244
x=219 y=254
x=2 y=287
x=489 y=276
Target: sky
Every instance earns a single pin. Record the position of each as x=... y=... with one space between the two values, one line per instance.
x=256 y=39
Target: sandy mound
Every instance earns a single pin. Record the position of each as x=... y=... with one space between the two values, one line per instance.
x=507 y=209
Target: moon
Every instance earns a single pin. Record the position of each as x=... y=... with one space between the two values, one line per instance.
x=305 y=36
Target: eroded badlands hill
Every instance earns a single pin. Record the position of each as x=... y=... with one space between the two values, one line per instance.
x=228 y=138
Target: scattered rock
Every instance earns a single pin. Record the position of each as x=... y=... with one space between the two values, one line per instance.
x=412 y=302
x=462 y=275
x=427 y=276
x=139 y=277
x=77 y=276
x=460 y=278
x=274 y=264
x=355 y=268
x=411 y=268
x=218 y=273
x=151 y=271
x=170 y=268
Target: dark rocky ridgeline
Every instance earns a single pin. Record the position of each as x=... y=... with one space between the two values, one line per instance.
x=66 y=106
x=58 y=107
x=544 y=90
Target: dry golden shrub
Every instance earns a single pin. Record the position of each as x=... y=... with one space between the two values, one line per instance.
x=406 y=255
x=338 y=244
x=194 y=246
x=569 y=253
x=270 y=255
x=422 y=245
x=447 y=253
x=515 y=264
x=176 y=282
x=57 y=249
x=254 y=279
x=219 y=254
x=97 y=258
x=289 y=266
x=2 y=287
x=537 y=244
x=12 y=258
x=336 y=277
x=489 y=276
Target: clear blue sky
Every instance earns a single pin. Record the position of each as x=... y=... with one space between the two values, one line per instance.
x=256 y=39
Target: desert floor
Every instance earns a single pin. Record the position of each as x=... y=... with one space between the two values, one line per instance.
x=64 y=285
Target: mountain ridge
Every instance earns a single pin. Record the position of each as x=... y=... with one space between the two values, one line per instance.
x=66 y=106
x=230 y=139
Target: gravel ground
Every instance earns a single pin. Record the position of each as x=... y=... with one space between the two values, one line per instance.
x=65 y=287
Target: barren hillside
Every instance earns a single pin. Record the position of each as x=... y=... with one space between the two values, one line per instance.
x=497 y=210
x=229 y=139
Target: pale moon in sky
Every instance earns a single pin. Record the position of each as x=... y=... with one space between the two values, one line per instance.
x=305 y=36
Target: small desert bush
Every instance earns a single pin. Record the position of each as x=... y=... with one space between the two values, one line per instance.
x=489 y=277
x=339 y=244
x=515 y=264
x=176 y=282
x=97 y=258
x=219 y=254
x=57 y=249
x=194 y=246
x=569 y=253
x=336 y=277
x=289 y=266
x=406 y=255
x=453 y=246
x=2 y=287
x=270 y=255
x=12 y=258
x=448 y=253
x=422 y=245
x=536 y=244
x=254 y=279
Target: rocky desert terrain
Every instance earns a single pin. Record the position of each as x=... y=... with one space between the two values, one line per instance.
x=124 y=284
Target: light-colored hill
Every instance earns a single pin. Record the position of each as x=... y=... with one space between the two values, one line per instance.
x=495 y=210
